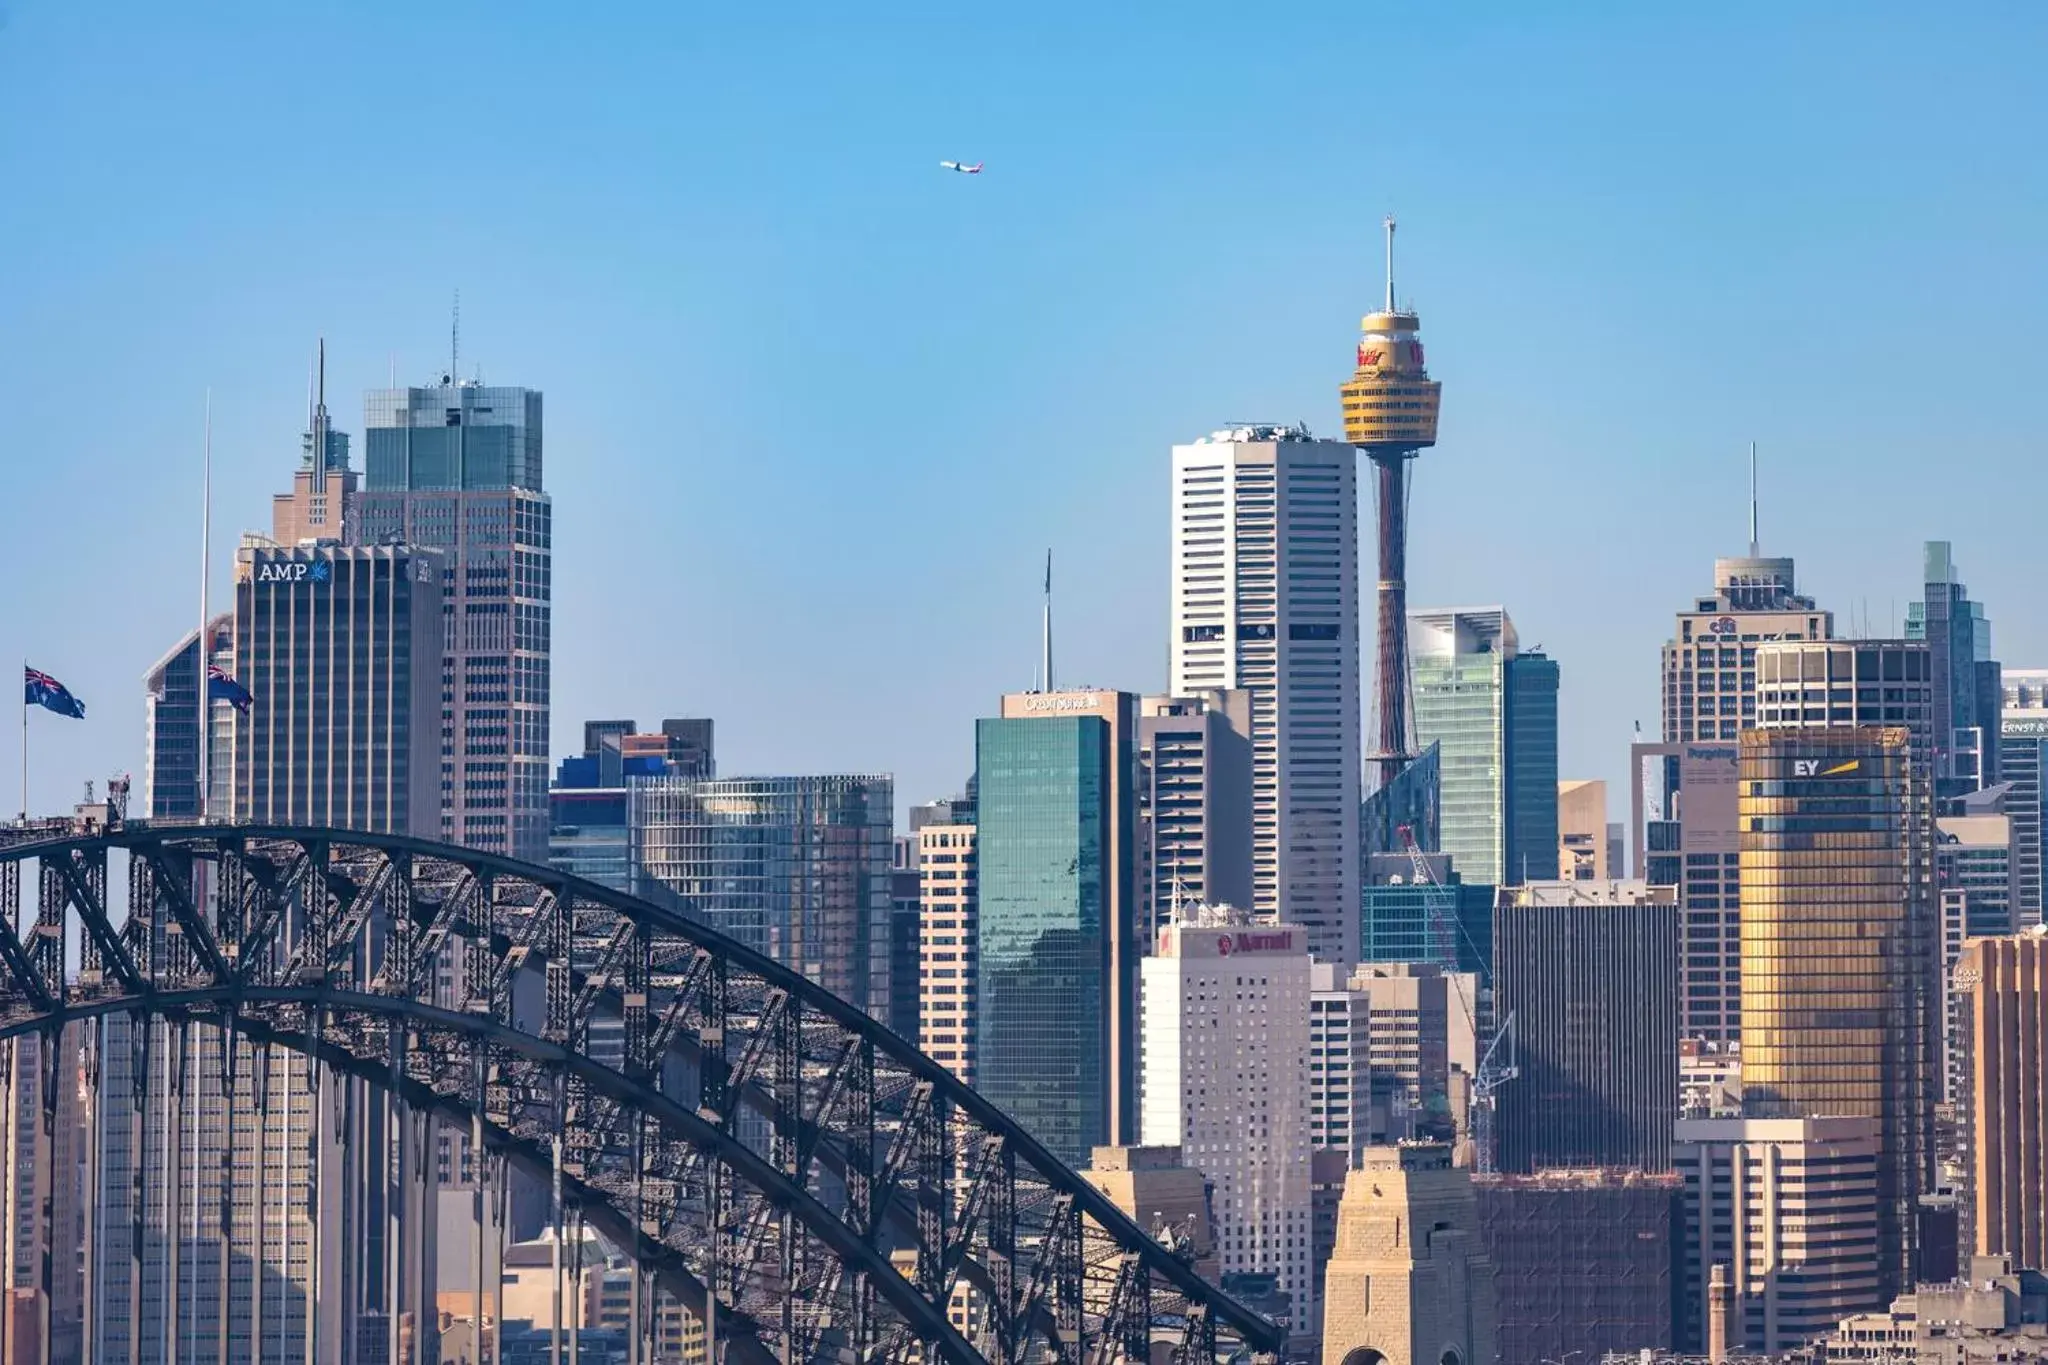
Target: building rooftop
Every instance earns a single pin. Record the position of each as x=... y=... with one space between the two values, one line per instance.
x=1256 y=431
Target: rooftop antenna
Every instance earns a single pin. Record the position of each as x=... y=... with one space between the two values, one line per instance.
x=1390 y=262
x=1753 y=551
x=455 y=342
x=1046 y=662
x=319 y=423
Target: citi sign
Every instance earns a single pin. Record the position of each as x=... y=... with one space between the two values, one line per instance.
x=292 y=571
x=1254 y=943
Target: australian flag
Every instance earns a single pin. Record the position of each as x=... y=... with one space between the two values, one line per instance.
x=221 y=686
x=40 y=689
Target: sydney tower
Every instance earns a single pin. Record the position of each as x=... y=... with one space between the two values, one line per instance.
x=1390 y=407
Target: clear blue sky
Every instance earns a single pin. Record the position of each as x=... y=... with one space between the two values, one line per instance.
x=815 y=408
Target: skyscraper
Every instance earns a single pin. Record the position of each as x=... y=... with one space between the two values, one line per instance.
x=1493 y=711
x=1056 y=874
x=1590 y=973
x=1839 y=997
x=2003 y=983
x=796 y=868
x=1967 y=692
x=340 y=650
x=321 y=505
x=1688 y=836
x=1194 y=804
x=457 y=467
x=1224 y=1020
x=2022 y=766
x=1390 y=409
x=949 y=965
x=1710 y=661
x=1265 y=598
x=171 y=720
x=1787 y=1206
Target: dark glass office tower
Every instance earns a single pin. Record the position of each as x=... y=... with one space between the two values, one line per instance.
x=341 y=652
x=796 y=868
x=457 y=467
x=1968 y=694
x=1589 y=973
x=1056 y=992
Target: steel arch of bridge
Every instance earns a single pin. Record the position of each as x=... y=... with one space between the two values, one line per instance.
x=764 y=1150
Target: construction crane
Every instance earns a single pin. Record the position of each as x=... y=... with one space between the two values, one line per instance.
x=1497 y=1066
x=1439 y=908
x=1496 y=1069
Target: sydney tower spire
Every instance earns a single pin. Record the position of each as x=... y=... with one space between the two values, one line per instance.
x=1390 y=406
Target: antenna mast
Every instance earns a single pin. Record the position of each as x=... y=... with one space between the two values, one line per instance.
x=1753 y=542
x=455 y=342
x=1390 y=262
x=1046 y=662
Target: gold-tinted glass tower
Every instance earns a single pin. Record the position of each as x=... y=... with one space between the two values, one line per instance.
x=1390 y=407
x=1838 y=983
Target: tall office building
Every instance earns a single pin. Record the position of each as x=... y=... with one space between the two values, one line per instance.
x=796 y=868
x=321 y=505
x=340 y=650
x=171 y=721
x=1265 y=598
x=1590 y=973
x=1786 y=1206
x=1194 y=804
x=1419 y=1022
x=1582 y=853
x=2003 y=984
x=1839 y=997
x=1973 y=876
x=1223 y=1015
x=1968 y=695
x=1687 y=835
x=1493 y=709
x=2022 y=764
x=456 y=467
x=589 y=834
x=1340 y=1075
x=949 y=965
x=1710 y=661
x=1056 y=876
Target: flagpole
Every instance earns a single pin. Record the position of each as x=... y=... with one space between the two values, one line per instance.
x=205 y=646
x=24 y=741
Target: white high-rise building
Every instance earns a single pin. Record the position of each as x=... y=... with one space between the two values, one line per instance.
x=1223 y=1018
x=1265 y=598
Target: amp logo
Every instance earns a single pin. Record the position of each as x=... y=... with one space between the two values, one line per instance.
x=296 y=571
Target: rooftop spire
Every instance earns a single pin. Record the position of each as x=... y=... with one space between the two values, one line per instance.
x=1754 y=552
x=1046 y=663
x=1390 y=262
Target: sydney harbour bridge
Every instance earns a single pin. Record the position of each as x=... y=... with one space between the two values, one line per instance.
x=806 y=1183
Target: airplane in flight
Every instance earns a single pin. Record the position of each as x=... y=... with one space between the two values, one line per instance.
x=962 y=167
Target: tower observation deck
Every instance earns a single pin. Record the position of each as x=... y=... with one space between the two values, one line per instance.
x=1390 y=408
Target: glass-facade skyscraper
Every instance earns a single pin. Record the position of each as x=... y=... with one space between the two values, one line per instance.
x=1493 y=711
x=1056 y=881
x=1840 y=996
x=457 y=467
x=1968 y=695
x=797 y=868
x=341 y=652
x=170 y=778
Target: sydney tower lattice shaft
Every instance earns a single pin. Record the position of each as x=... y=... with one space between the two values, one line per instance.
x=1390 y=407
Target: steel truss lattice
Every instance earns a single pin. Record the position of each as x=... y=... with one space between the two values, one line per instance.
x=761 y=1143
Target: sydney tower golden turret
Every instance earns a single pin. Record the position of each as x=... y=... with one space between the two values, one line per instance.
x=1390 y=407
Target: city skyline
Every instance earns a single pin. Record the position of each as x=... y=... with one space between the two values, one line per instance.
x=1647 y=293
